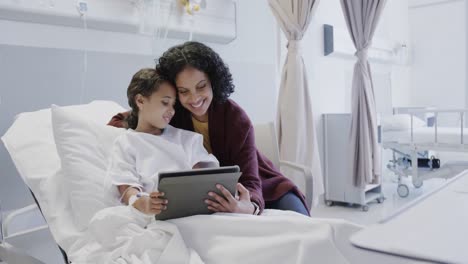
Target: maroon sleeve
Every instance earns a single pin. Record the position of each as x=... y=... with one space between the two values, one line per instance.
x=119 y=120
x=241 y=142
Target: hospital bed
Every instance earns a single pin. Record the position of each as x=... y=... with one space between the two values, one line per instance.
x=415 y=137
x=275 y=237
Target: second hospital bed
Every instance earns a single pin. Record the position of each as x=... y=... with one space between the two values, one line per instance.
x=417 y=139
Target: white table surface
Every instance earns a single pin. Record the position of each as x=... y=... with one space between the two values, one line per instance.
x=434 y=227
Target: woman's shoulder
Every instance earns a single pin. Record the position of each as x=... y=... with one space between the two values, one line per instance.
x=233 y=119
x=234 y=113
x=232 y=106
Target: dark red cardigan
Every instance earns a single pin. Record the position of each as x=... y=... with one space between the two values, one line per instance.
x=233 y=143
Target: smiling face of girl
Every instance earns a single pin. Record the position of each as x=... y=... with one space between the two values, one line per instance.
x=156 y=110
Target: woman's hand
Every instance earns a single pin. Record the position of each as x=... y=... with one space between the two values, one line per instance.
x=151 y=204
x=228 y=203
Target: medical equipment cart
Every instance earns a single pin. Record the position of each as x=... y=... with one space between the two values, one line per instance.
x=339 y=186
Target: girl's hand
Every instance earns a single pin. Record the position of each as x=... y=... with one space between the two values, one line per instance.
x=151 y=204
x=228 y=203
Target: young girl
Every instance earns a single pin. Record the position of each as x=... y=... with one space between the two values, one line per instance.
x=151 y=145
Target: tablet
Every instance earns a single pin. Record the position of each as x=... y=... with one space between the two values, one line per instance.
x=187 y=190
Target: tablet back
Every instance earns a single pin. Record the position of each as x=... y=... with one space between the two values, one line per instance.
x=186 y=191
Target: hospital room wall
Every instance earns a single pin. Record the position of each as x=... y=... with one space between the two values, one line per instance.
x=42 y=65
x=329 y=78
x=392 y=27
x=438 y=54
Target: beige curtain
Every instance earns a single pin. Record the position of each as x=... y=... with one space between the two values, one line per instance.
x=361 y=18
x=296 y=130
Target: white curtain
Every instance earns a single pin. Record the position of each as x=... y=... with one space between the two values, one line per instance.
x=361 y=18
x=296 y=130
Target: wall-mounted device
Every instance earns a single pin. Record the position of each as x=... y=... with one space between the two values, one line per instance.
x=338 y=43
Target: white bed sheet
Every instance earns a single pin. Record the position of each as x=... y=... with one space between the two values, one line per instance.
x=447 y=135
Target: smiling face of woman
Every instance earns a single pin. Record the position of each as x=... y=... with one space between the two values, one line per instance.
x=195 y=92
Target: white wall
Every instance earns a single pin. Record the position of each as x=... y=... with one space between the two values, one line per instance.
x=438 y=49
x=330 y=77
x=396 y=19
x=42 y=65
x=251 y=55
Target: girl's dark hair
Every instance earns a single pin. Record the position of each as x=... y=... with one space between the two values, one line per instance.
x=144 y=82
x=202 y=58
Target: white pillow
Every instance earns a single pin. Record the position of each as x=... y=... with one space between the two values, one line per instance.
x=36 y=159
x=83 y=146
x=401 y=122
x=30 y=143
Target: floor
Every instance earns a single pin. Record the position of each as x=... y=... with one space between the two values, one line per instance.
x=377 y=211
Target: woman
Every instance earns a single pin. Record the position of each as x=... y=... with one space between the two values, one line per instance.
x=204 y=84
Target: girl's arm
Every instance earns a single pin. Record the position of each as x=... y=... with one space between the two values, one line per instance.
x=151 y=204
x=126 y=191
x=122 y=170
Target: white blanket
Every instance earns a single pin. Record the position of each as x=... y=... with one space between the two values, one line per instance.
x=124 y=235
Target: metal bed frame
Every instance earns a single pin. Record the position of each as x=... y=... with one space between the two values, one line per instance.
x=405 y=155
x=12 y=254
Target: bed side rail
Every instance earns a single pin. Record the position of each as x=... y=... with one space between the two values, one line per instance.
x=425 y=114
x=436 y=112
x=14 y=255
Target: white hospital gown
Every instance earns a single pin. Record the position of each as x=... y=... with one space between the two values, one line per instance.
x=137 y=157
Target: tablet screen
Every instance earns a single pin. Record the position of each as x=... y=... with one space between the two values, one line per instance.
x=195 y=172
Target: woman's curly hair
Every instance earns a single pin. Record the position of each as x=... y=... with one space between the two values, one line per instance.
x=202 y=58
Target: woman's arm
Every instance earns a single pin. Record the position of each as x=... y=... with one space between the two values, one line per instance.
x=244 y=155
x=233 y=143
x=119 y=120
x=240 y=140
